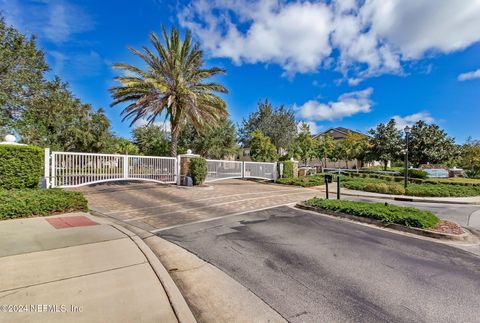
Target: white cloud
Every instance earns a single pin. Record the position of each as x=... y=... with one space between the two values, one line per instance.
x=469 y=75
x=293 y=35
x=409 y=120
x=53 y=20
x=366 y=38
x=347 y=105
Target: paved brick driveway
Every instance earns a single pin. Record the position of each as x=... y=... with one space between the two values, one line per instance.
x=154 y=207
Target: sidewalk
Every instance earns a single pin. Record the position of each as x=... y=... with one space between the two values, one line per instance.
x=81 y=268
x=473 y=200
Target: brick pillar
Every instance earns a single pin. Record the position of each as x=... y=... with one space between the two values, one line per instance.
x=185 y=165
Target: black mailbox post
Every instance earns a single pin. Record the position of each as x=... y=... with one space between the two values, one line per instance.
x=328 y=179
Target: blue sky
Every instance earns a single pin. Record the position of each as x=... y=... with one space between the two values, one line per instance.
x=337 y=63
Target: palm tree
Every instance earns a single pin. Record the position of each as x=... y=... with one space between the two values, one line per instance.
x=172 y=86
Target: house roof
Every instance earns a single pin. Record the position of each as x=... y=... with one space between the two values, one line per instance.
x=341 y=130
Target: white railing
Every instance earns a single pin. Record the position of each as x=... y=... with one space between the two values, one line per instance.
x=70 y=169
x=260 y=170
x=350 y=170
x=223 y=169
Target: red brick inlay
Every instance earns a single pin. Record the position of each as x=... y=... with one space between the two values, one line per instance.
x=70 y=222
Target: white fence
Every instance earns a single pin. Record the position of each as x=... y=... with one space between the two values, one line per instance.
x=72 y=169
x=224 y=169
x=69 y=169
x=260 y=170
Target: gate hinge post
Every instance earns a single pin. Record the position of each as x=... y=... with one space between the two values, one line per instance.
x=46 y=174
x=125 y=166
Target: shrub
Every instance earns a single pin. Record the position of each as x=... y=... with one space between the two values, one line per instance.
x=20 y=166
x=408 y=216
x=198 y=170
x=288 y=169
x=385 y=188
x=305 y=181
x=31 y=202
x=442 y=190
x=422 y=188
x=417 y=173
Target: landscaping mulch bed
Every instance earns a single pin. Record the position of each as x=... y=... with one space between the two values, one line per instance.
x=448 y=227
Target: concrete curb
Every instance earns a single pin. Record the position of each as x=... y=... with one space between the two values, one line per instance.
x=178 y=303
x=216 y=296
x=466 y=236
x=407 y=198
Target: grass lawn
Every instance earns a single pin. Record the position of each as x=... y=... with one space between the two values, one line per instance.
x=407 y=216
x=21 y=203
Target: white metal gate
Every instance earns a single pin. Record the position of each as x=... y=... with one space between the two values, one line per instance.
x=70 y=169
x=260 y=170
x=228 y=169
x=223 y=169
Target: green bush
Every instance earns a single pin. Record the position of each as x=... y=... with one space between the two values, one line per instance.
x=31 y=202
x=198 y=170
x=288 y=169
x=20 y=166
x=417 y=173
x=442 y=190
x=408 y=216
x=305 y=181
x=420 y=188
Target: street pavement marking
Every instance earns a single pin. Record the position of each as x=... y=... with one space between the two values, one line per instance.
x=198 y=200
x=222 y=217
x=211 y=205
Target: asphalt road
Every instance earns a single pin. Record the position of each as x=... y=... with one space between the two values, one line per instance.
x=312 y=268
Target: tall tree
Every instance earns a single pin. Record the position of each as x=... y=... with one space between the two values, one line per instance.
x=262 y=148
x=173 y=86
x=471 y=157
x=22 y=66
x=386 y=142
x=276 y=123
x=304 y=144
x=354 y=147
x=151 y=140
x=430 y=144
x=324 y=146
x=124 y=146
x=218 y=142
x=55 y=118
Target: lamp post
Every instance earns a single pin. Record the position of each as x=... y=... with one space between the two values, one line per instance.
x=407 y=134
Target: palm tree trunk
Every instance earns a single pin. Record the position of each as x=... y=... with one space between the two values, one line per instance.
x=173 y=148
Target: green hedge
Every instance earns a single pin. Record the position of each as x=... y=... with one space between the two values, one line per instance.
x=32 y=202
x=198 y=170
x=417 y=173
x=288 y=169
x=305 y=181
x=424 y=189
x=445 y=181
x=408 y=216
x=20 y=166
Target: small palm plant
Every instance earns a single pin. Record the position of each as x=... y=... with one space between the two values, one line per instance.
x=172 y=86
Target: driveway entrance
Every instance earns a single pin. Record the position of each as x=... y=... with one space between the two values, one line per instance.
x=154 y=207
